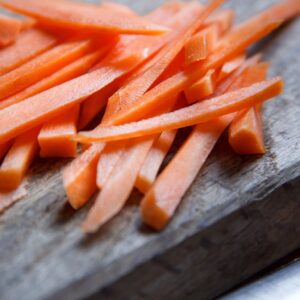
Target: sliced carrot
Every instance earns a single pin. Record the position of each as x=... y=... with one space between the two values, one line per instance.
x=161 y=201
x=231 y=66
x=203 y=88
x=28 y=23
x=117 y=7
x=196 y=48
x=42 y=66
x=95 y=104
x=77 y=188
x=55 y=136
x=4 y=148
x=70 y=71
x=197 y=113
x=85 y=17
x=224 y=20
x=154 y=160
x=117 y=189
x=126 y=97
x=245 y=132
x=79 y=176
x=108 y=160
x=14 y=55
x=9 y=198
x=18 y=160
x=9 y=30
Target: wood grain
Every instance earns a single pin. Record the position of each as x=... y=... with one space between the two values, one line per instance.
x=225 y=230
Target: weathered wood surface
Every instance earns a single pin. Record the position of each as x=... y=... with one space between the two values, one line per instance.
x=225 y=230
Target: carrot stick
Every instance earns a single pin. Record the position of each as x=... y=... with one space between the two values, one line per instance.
x=9 y=198
x=201 y=89
x=108 y=160
x=224 y=20
x=42 y=66
x=79 y=176
x=28 y=23
x=154 y=160
x=77 y=188
x=55 y=136
x=245 y=132
x=235 y=42
x=94 y=104
x=161 y=201
x=231 y=66
x=117 y=189
x=9 y=30
x=68 y=72
x=126 y=97
x=4 y=148
x=82 y=17
x=194 y=114
x=16 y=54
x=18 y=160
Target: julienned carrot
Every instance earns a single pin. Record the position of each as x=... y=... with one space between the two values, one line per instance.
x=201 y=89
x=9 y=198
x=83 y=17
x=18 y=160
x=4 y=148
x=28 y=23
x=193 y=17
x=55 y=136
x=154 y=160
x=108 y=160
x=42 y=66
x=246 y=132
x=77 y=188
x=9 y=30
x=117 y=7
x=231 y=66
x=95 y=104
x=70 y=71
x=119 y=186
x=235 y=42
x=224 y=20
x=161 y=201
x=16 y=54
x=197 y=113
x=79 y=176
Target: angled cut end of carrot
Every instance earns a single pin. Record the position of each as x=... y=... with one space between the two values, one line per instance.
x=196 y=48
x=9 y=30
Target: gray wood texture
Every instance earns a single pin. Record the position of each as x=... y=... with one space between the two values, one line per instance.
x=229 y=226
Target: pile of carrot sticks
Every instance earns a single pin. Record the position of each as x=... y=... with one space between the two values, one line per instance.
x=66 y=65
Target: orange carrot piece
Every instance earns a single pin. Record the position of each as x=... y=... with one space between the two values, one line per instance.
x=95 y=104
x=231 y=66
x=109 y=158
x=197 y=113
x=9 y=198
x=117 y=189
x=4 y=148
x=196 y=48
x=9 y=30
x=28 y=23
x=18 y=160
x=16 y=54
x=117 y=7
x=126 y=97
x=201 y=89
x=79 y=176
x=42 y=66
x=78 y=67
x=235 y=42
x=85 y=17
x=55 y=136
x=245 y=132
x=224 y=20
x=154 y=160
x=160 y=203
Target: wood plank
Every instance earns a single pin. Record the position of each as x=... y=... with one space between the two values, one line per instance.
x=225 y=223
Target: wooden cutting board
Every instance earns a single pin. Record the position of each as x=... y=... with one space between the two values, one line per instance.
x=240 y=215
